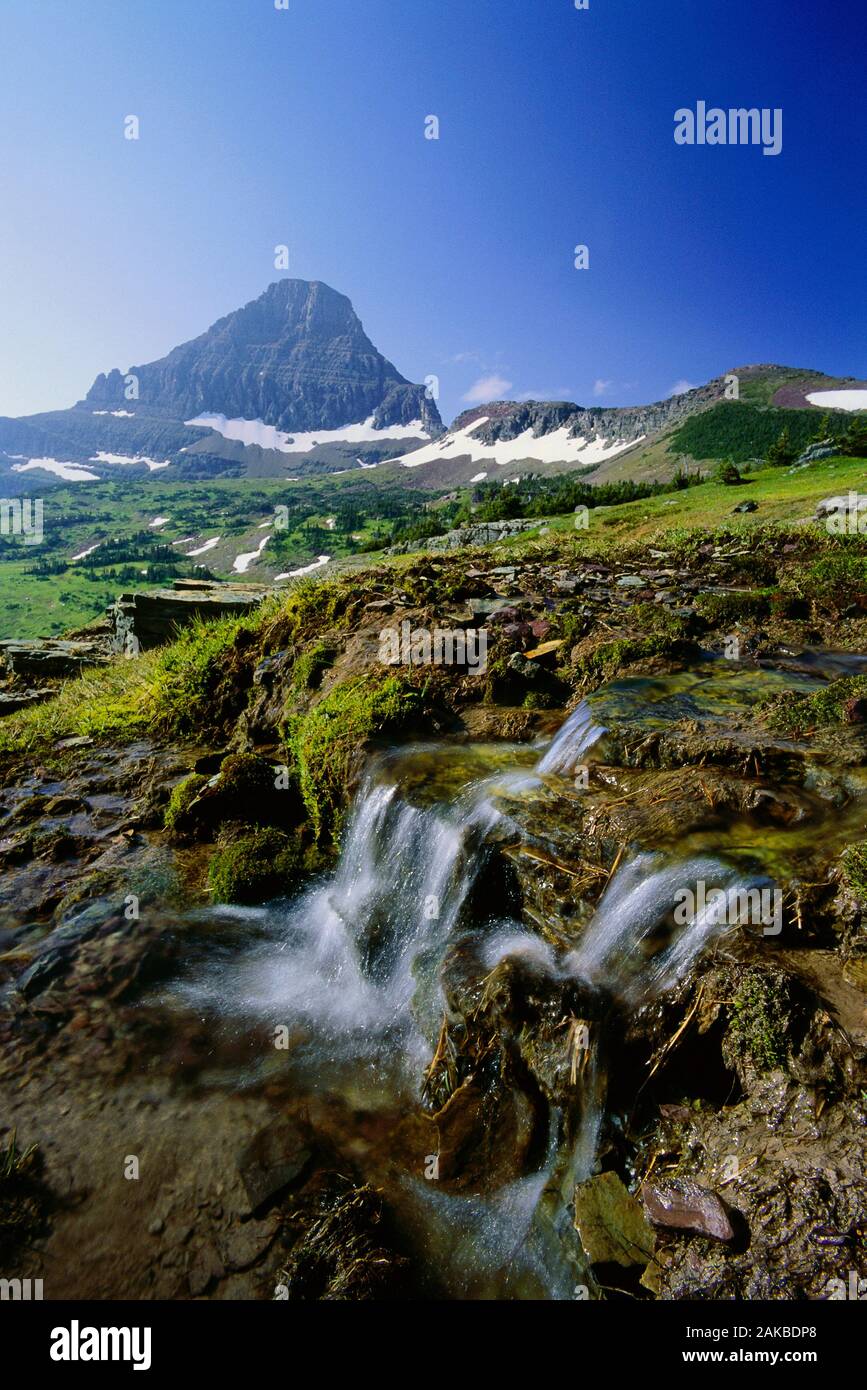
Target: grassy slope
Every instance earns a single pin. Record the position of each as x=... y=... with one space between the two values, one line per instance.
x=781 y=496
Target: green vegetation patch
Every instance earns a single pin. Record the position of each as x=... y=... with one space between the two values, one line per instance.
x=740 y=432
x=792 y=712
x=854 y=867
x=325 y=743
x=723 y=610
x=759 y=1018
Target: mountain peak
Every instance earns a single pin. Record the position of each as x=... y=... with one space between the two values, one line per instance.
x=296 y=358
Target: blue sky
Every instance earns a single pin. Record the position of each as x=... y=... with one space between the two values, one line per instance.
x=305 y=127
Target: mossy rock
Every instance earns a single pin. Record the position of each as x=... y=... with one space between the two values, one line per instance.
x=327 y=741
x=177 y=818
x=854 y=869
x=792 y=712
x=254 y=866
x=726 y=610
x=247 y=788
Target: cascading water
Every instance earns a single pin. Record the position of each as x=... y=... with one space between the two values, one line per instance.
x=351 y=967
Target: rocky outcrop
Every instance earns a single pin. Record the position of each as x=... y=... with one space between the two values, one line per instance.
x=484 y=533
x=147 y=619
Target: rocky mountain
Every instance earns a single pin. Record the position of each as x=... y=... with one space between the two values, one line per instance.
x=296 y=358
x=291 y=373
x=506 y=438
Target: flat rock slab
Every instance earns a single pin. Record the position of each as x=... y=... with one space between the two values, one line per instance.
x=273 y=1159
x=154 y=616
x=611 y=1224
x=47 y=656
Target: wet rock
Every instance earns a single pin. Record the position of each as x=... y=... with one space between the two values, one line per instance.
x=275 y=1158
x=485 y=1134
x=610 y=1223
x=682 y=1205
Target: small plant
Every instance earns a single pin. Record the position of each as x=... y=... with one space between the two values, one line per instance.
x=21 y=1199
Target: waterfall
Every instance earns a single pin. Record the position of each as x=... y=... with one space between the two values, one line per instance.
x=577 y=737
x=351 y=965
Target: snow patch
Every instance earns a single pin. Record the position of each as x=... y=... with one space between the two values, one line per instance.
x=243 y=562
x=306 y=569
x=839 y=400
x=209 y=545
x=70 y=472
x=102 y=457
x=269 y=437
x=159 y=521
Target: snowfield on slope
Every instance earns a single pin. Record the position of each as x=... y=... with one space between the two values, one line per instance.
x=559 y=446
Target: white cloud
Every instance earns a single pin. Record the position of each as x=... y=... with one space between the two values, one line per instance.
x=487 y=388
x=681 y=387
x=601 y=388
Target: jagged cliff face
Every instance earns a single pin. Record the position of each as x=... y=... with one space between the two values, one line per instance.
x=296 y=358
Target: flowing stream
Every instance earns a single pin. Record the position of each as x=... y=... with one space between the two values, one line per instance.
x=350 y=968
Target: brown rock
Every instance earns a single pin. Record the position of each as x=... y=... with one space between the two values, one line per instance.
x=682 y=1205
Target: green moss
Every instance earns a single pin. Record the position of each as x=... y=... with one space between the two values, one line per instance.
x=854 y=867
x=793 y=713
x=833 y=582
x=180 y=800
x=758 y=1020
x=190 y=672
x=315 y=606
x=252 y=867
x=662 y=633
x=326 y=741
x=310 y=667
x=726 y=610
